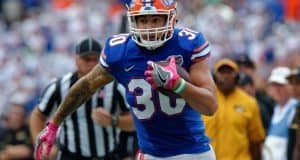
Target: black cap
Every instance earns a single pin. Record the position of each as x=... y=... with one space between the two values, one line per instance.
x=88 y=46
x=244 y=59
x=245 y=79
x=295 y=73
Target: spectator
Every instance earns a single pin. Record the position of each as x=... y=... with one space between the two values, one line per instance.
x=246 y=65
x=246 y=83
x=265 y=103
x=248 y=80
x=276 y=143
x=15 y=142
x=237 y=122
x=294 y=129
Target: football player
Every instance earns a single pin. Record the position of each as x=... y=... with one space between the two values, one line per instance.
x=168 y=127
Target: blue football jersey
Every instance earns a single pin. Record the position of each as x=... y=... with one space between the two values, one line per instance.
x=165 y=125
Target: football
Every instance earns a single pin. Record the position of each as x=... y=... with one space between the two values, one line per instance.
x=181 y=71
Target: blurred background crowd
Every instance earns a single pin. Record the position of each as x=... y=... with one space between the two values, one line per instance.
x=38 y=37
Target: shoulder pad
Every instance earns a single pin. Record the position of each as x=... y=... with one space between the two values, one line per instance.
x=194 y=43
x=190 y=40
x=115 y=47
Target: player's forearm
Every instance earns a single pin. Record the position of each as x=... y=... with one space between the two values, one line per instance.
x=36 y=123
x=77 y=94
x=81 y=91
x=126 y=122
x=201 y=93
x=201 y=99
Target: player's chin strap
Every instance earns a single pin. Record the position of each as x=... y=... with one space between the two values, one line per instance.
x=164 y=76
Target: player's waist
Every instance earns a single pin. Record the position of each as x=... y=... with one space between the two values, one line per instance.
x=176 y=149
x=174 y=152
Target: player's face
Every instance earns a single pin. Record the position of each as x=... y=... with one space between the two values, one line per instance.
x=86 y=63
x=151 y=22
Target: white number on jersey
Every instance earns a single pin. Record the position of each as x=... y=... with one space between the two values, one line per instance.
x=189 y=33
x=118 y=39
x=145 y=99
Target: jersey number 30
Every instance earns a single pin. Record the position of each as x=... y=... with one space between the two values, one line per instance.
x=146 y=100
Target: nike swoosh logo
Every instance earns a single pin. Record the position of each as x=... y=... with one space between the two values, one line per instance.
x=162 y=78
x=127 y=69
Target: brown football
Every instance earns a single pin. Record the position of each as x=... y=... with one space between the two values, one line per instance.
x=181 y=71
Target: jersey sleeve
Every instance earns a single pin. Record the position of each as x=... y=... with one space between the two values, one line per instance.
x=49 y=99
x=195 y=43
x=113 y=52
x=201 y=49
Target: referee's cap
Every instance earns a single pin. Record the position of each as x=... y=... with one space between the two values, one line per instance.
x=88 y=46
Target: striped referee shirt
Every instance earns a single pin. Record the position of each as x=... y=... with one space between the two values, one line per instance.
x=79 y=134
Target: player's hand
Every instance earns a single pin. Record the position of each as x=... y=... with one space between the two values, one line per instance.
x=45 y=141
x=162 y=76
x=101 y=116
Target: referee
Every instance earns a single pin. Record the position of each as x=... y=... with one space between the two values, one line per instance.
x=90 y=132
